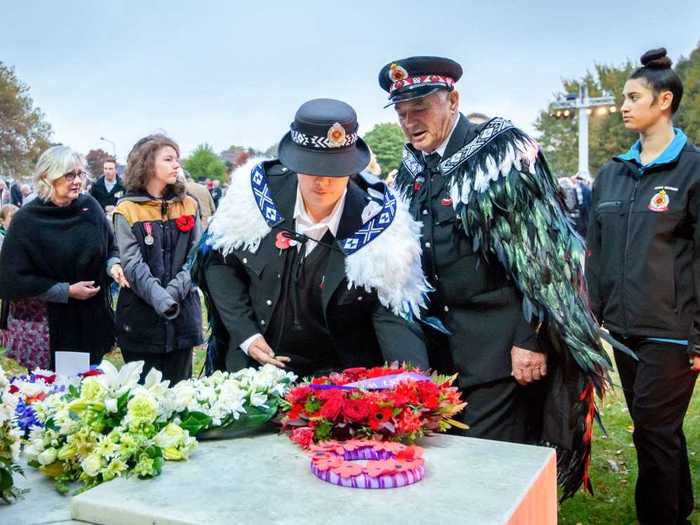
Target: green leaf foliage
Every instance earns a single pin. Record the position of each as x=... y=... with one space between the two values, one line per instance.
x=205 y=164
x=386 y=141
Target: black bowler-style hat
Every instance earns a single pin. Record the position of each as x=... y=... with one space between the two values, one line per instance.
x=416 y=77
x=323 y=140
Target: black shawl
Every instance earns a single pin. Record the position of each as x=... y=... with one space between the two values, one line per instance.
x=47 y=244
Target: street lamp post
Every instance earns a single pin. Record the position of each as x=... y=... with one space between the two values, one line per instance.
x=584 y=106
x=114 y=146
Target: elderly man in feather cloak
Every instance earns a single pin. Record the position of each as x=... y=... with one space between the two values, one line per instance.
x=506 y=268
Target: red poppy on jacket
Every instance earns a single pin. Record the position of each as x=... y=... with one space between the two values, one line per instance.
x=184 y=223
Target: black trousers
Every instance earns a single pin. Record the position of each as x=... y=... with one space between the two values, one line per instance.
x=504 y=411
x=658 y=389
x=175 y=366
x=501 y=410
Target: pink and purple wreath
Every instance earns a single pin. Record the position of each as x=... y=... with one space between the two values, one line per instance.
x=367 y=464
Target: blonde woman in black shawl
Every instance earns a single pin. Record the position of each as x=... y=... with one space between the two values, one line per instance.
x=55 y=267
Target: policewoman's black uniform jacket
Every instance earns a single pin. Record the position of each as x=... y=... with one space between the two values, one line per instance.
x=245 y=288
x=643 y=258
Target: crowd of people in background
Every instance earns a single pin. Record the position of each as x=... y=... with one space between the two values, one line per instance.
x=77 y=231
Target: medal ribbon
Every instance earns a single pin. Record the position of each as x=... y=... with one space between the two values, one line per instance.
x=149 y=232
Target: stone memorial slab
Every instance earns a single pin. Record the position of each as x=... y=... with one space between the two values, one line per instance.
x=41 y=505
x=266 y=479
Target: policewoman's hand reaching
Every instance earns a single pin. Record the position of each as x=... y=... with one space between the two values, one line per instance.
x=263 y=354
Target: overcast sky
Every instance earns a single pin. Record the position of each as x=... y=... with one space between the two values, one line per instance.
x=235 y=72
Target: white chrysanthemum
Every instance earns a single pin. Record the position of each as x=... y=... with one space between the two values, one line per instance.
x=91 y=465
x=258 y=399
x=46 y=457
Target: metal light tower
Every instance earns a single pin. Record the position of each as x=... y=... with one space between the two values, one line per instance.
x=114 y=146
x=584 y=106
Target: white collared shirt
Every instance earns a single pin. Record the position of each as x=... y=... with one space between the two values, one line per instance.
x=305 y=225
x=110 y=185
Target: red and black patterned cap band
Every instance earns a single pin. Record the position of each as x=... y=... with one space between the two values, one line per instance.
x=425 y=80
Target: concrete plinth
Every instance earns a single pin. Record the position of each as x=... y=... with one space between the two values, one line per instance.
x=266 y=479
x=41 y=505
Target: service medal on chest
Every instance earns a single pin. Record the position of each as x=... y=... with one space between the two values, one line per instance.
x=148 y=239
x=659 y=202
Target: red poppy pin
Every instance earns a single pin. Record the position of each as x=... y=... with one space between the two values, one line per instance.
x=184 y=223
x=397 y=73
x=283 y=241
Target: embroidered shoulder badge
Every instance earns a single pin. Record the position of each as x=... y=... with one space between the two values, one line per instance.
x=659 y=202
x=263 y=197
x=372 y=228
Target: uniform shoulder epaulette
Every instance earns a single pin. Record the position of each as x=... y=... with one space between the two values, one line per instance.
x=274 y=168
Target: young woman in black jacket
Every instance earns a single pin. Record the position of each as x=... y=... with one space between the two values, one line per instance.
x=643 y=270
x=156 y=224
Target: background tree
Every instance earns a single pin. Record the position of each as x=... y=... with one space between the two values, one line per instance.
x=688 y=116
x=205 y=164
x=607 y=135
x=386 y=141
x=24 y=133
x=95 y=160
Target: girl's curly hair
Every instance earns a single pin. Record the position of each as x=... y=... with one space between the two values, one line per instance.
x=141 y=166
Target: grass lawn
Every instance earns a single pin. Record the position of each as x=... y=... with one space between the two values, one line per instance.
x=613 y=470
x=614 y=467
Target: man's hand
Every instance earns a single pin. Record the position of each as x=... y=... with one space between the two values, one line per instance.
x=118 y=276
x=527 y=366
x=82 y=290
x=263 y=354
x=695 y=363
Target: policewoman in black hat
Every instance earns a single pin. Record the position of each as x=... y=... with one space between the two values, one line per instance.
x=504 y=263
x=307 y=269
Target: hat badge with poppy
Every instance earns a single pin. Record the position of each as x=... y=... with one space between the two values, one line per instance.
x=416 y=77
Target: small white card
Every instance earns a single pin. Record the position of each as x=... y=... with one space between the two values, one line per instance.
x=72 y=363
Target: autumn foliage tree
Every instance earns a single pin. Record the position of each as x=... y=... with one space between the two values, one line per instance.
x=95 y=160
x=24 y=133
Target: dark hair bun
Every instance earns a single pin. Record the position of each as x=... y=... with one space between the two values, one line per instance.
x=656 y=59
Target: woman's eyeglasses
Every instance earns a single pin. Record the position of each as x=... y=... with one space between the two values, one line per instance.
x=71 y=175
